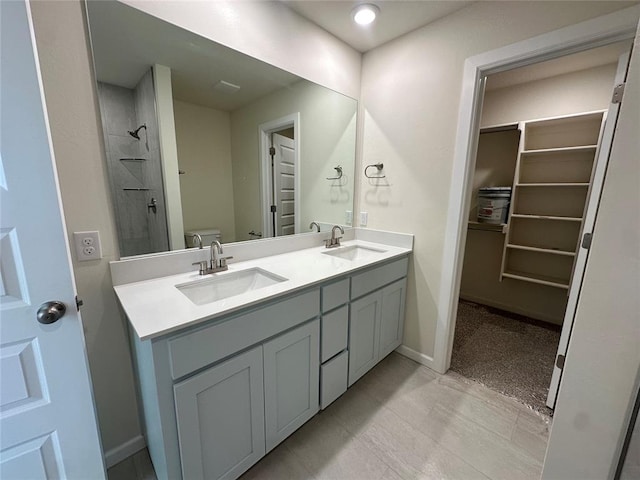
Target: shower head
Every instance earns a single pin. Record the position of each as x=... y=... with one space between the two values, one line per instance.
x=134 y=133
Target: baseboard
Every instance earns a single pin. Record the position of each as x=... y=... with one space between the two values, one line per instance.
x=511 y=308
x=125 y=450
x=416 y=356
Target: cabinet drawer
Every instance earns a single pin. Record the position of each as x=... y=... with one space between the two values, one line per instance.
x=335 y=328
x=207 y=345
x=375 y=278
x=333 y=379
x=335 y=295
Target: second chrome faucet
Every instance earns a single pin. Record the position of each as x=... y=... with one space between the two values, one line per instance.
x=334 y=241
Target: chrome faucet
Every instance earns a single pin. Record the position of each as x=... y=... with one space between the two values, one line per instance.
x=197 y=240
x=334 y=241
x=316 y=224
x=217 y=262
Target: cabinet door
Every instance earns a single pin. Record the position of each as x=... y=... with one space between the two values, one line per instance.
x=291 y=381
x=220 y=416
x=364 y=334
x=392 y=319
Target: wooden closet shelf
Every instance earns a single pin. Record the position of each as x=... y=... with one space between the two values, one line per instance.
x=541 y=250
x=546 y=217
x=539 y=279
x=488 y=227
x=544 y=151
x=563 y=184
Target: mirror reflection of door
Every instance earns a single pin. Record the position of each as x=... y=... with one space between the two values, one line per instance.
x=283 y=182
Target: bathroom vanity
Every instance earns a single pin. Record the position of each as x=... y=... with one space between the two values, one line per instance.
x=225 y=377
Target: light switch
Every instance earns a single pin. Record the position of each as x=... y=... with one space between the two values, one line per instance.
x=364 y=217
x=348 y=217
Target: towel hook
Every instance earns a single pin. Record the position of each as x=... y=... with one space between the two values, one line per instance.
x=379 y=166
x=339 y=170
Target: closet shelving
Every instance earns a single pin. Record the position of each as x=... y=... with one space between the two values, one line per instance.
x=551 y=185
x=488 y=227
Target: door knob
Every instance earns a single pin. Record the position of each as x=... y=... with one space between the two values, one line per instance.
x=50 y=312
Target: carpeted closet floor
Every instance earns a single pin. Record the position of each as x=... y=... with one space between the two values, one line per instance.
x=506 y=352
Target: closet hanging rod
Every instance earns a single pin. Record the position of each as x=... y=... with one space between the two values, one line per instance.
x=133 y=159
x=339 y=170
x=135 y=189
x=379 y=166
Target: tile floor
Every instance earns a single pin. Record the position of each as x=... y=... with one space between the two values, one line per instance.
x=404 y=421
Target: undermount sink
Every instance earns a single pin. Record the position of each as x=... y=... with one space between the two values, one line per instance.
x=354 y=252
x=228 y=285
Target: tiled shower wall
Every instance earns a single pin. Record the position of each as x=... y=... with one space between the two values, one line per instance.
x=135 y=173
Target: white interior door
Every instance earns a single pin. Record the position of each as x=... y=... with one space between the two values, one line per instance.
x=47 y=419
x=284 y=181
x=589 y=221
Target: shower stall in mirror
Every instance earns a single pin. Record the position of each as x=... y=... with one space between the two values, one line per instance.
x=134 y=165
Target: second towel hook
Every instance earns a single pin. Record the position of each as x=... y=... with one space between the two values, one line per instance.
x=339 y=170
x=379 y=166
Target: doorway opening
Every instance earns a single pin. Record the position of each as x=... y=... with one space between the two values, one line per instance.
x=280 y=176
x=539 y=168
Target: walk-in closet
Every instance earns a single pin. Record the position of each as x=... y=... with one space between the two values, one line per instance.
x=536 y=174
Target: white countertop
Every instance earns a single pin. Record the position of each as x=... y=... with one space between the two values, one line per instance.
x=156 y=307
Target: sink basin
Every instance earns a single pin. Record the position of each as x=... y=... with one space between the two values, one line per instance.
x=227 y=285
x=354 y=252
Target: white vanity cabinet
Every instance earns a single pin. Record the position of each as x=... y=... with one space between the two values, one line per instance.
x=365 y=335
x=392 y=317
x=231 y=414
x=291 y=385
x=376 y=320
x=217 y=396
x=334 y=340
x=220 y=415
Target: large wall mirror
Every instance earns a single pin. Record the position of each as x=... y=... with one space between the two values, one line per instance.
x=202 y=138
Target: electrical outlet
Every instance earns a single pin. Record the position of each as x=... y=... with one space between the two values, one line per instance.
x=87 y=245
x=348 y=217
x=364 y=217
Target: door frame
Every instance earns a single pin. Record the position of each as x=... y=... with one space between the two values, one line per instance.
x=600 y=31
x=264 y=134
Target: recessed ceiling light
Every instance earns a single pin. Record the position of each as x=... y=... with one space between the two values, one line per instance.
x=365 y=14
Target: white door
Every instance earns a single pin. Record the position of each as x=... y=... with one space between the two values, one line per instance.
x=47 y=419
x=284 y=181
x=589 y=221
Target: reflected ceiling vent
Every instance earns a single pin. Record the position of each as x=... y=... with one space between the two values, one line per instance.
x=226 y=87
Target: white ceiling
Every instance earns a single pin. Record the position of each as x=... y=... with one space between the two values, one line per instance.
x=559 y=66
x=127 y=42
x=396 y=18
